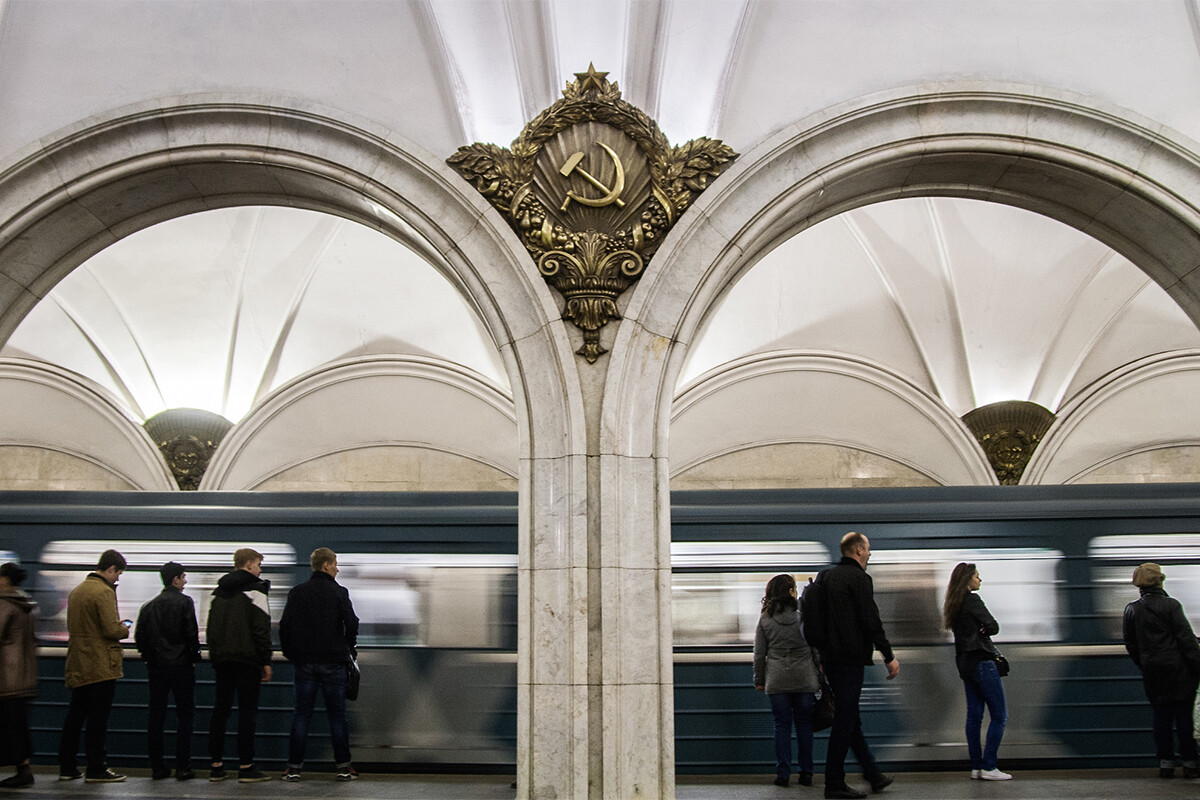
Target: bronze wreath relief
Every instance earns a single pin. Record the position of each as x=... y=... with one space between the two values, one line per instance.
x=591 y=186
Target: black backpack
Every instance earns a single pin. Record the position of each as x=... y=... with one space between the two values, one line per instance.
x=814 y=612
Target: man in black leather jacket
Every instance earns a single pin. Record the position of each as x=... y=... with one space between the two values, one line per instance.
x=854 y=631
x=168 y=638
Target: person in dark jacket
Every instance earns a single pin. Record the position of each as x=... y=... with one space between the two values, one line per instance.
x=965 y=614
x=1160 y=641
x=785 y=670
x=18 y=674
x=168 y=638
x=854 y=631
x=239 y=646
x=318 y=633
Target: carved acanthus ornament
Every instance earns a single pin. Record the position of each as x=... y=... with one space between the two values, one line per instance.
x=592 y=186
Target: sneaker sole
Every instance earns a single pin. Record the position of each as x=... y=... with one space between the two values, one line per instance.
x=254 y=780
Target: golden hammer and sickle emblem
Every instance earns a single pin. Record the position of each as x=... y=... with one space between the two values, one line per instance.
x=611 y=196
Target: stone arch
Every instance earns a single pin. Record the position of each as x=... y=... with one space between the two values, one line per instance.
x=911 y=427
x=1103 y=171
x=264 y=445
x=69 y=196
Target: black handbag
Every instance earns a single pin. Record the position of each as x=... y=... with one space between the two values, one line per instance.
x=1001 y=664
x=822 y=713
x=353 y=679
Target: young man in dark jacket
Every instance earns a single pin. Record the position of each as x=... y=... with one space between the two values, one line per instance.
x=853 y=631
x=318 y=633
x=168 y=638
x=239 y=646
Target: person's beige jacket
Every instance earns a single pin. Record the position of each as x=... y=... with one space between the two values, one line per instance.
x=95 y=631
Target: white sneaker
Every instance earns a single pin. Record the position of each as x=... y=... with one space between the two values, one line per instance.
x=994 y=775
x=975 y=774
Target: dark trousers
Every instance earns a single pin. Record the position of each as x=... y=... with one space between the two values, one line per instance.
x=15 y=744
x=178 y=680
x=244 y=680
x=846 y=680
x=1176 y=715
x=331 y=680
x=91 y=704
x=793 y=710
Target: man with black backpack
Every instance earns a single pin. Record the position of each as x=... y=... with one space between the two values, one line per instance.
x=842 y=620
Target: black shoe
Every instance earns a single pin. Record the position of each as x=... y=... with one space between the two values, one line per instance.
x=252 y=775
x=159 y=773
x=805 y=778
x=23 y=778
x=184 y=774
x=881 y=783
x=69 y=774
x=1191 y=772
x=844 y=793
x=217 y=774
x=782 y=780
x=1166 y=772
x=108 y=776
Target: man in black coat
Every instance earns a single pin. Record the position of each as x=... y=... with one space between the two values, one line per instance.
x=168 y=638
x=853 y=631
x=239 y=646
x=318 y=633
x=1161 y=642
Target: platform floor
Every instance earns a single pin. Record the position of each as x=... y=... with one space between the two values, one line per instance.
x=1059 y=784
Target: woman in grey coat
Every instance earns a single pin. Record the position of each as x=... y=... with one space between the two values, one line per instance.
x=784 y=668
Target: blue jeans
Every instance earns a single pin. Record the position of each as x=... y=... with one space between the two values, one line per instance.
x=793 y=708
x=331 y=680
x=984 y=688
x=846 y=680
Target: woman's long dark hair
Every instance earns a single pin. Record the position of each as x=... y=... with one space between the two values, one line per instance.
x=956 y=593
x=779 y=595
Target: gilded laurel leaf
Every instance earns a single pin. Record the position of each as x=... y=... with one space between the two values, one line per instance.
x=482 y=164
x=700 y=160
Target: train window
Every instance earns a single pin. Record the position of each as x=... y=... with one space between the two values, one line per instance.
x=65 y=563
x=432 y=600
x=717 y=587
x=1019 y=585
x=1114 y=559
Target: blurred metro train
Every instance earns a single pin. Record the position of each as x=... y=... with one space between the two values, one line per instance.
x=433 y=579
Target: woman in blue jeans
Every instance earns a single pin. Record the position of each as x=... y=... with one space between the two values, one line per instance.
x=965 y=614
x=785 y=670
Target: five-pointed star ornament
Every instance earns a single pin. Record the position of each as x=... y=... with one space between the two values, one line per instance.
x=591 y=78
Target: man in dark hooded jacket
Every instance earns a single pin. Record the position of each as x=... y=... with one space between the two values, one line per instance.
x=239 y=646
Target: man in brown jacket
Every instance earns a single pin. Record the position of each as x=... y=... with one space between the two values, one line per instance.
x=18 y=674
x=95 y=630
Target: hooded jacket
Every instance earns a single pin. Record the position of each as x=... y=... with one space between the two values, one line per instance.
x=319 y=625
x=783 y=661
x=239 y=621
x=18 y=645
x=95 y=632
x=167 y=633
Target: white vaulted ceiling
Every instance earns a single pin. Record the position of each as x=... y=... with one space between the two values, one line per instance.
x=970 y=302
